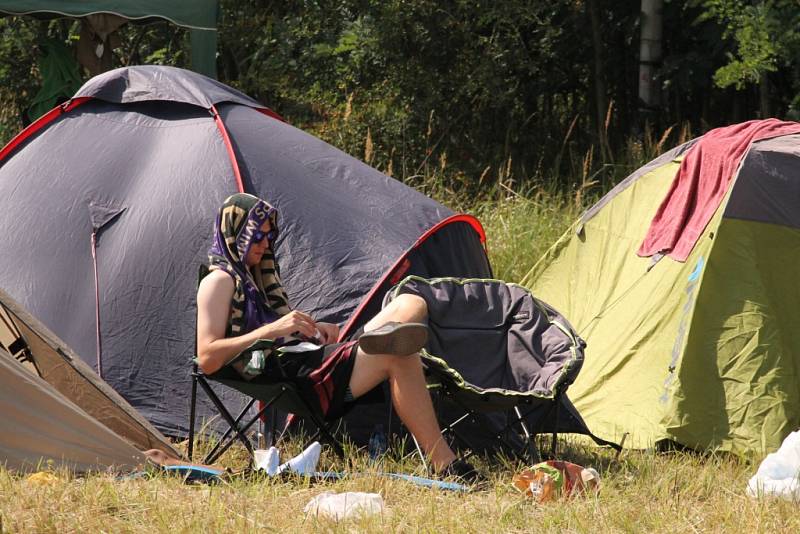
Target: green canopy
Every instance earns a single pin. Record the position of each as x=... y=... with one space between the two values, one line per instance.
x=200 y=16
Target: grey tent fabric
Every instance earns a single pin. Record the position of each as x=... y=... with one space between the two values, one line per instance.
x=197 y=14
x=146 y=83
x=766 y=186
x=100 y=215
x=502 y=345
x=346 y=229
x=40 y=425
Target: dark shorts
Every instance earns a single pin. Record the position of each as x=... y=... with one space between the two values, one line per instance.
x=324 y=375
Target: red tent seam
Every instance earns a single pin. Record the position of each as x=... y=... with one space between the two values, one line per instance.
x=40 y=123
x=269 y=113
x=460 y=217
x=229 y=147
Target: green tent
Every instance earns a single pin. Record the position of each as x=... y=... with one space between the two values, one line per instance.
x=703 y=352
x=200 y=16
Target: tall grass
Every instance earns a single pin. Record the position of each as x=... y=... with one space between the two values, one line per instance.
x=640 y=492
x=524 y=215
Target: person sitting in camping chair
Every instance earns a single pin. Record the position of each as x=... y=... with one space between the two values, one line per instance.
x=242 y=301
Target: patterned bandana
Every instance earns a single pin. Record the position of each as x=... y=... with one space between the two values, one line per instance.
x=259 y=297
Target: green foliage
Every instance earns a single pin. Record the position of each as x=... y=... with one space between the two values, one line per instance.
x=472 y=92
x=765 y=34
x=18 y=71
x=425 y=79
x=22 y=45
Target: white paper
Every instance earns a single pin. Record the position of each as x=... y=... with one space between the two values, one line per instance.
x=344 y=505
x=303 y=346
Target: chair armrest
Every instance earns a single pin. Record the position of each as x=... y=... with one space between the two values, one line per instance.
x=242 y=357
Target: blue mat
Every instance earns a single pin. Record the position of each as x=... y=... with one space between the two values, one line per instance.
x=418 y=481
x=195 y=473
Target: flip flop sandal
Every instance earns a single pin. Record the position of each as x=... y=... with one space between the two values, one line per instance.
x=396 y=339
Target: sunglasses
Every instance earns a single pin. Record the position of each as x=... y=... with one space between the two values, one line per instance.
x=259 y=236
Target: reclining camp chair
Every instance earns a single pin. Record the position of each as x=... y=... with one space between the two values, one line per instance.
x=498 y=357
x=272 y=388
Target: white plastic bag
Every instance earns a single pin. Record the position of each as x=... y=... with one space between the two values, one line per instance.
x=344 y=505
x=779 y=473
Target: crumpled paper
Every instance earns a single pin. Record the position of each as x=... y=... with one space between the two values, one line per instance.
x=345 y=505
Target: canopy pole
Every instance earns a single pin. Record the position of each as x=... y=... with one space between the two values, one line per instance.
x=203 y=44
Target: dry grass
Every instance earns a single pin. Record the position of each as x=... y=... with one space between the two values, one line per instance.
x=520 y=228
x=641 y=492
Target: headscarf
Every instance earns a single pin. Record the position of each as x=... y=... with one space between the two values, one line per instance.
x=258 y=297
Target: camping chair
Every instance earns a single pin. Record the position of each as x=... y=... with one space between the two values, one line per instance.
x=513 y=411
x=272 y=388
x=498 y=357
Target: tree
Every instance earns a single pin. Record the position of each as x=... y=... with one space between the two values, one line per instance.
x=766 y=37
x=650 y=54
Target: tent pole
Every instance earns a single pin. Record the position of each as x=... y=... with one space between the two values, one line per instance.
x=97 y=304
x=228 y=147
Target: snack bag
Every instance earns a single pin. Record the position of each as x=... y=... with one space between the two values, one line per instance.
x=547 y=481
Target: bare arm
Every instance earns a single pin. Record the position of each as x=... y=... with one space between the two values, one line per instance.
x=213 y=309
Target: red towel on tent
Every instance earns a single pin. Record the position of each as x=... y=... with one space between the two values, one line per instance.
x=701 y=183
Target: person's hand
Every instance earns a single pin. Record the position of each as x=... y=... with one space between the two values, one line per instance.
x=291 y=323
x=330 y=332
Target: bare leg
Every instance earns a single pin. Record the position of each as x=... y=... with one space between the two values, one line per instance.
x=405 y=308
x=406 y=381
x=409 y=395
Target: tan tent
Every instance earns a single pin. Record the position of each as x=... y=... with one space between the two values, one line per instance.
x=39 y=425
x=54 y=407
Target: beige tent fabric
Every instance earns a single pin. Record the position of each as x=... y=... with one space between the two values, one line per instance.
x=39 y=424
x=64 y=370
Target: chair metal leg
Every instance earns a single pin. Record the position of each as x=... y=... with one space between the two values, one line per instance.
x=240 y=430
x=530 y=451
x=323 y=434
x=226 y=437
x=557 y=403
x=224 y=447
x=273 y=423
x=458 y=436
x=421 y=454
x=533 y=451
x=193 y=408
x=228 y=419
x=332 y=441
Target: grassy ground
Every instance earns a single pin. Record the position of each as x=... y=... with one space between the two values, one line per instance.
x=640 y=492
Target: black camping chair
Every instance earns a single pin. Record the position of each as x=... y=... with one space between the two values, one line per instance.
x=476 y=324
x=514 y=419
x=273 y=388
